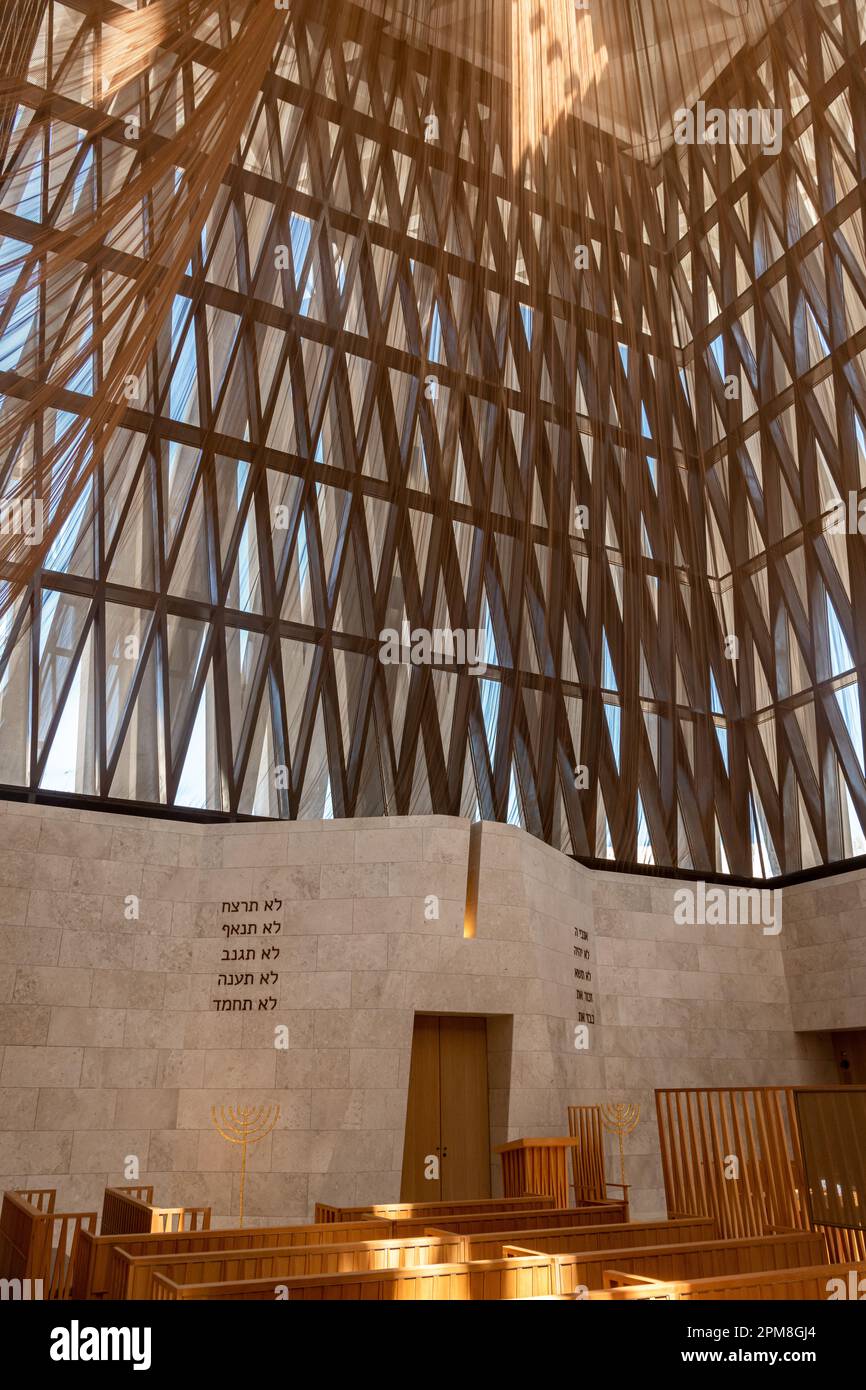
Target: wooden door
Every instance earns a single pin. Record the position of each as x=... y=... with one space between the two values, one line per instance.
x=447 y=1114
x=850 y=1052
x=464 y=1108
x=422 y=1114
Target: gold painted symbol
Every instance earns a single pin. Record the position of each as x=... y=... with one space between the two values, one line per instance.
x=244 y=1124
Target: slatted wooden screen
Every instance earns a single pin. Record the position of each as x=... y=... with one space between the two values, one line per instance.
x=734 y=1153
x=832 y=1128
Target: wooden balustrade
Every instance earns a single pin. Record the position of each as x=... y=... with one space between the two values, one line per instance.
x=94 y=1254
x=131 y=1276
x=702 y=1129
x=37 y=1243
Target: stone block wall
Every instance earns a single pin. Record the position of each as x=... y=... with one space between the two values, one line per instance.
x=112 y=1044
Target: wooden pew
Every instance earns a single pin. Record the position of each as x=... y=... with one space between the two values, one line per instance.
x=131 y=1276
x=575 y=1238
x=37 y=1243
x=487 y=1279
x=130 y=1211
x=511 y=1223
x=532 y=1275
x=405 y=1211
x=92 y=1257
x=800 y=1283
x=700 y=1260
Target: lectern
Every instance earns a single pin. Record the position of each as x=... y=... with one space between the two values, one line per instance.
x=536 y=1167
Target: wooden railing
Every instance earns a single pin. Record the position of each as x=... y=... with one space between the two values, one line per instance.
x=125 y=1212
x=37 y=1243
x=734 y=1153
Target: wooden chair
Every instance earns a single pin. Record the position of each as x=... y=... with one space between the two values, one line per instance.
x=589 y=1179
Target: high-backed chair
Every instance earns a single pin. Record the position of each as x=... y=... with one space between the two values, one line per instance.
x=587 y=1159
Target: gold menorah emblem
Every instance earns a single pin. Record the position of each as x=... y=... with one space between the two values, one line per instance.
x=244 y=1124
x=620 y=1119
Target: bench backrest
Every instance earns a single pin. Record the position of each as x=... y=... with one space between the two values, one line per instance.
x=42 y=1198
x=488 y=1279
x=405 y=1211
x=546 y=1218
x=812 y=1282
x=699 y=1260
x=131 y=1276
x=606 y=1237
x=93 y=1254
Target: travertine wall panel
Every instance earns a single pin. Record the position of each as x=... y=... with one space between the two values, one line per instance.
x=110 y=1044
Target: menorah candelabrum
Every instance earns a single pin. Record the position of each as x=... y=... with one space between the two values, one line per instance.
x=620 y=1119
x=244 y=1124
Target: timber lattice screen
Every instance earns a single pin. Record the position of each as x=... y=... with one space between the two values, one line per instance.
x=701 y=1129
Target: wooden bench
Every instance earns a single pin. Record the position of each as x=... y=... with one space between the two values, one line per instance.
x=130 y=1211
x=405 y=1211
x=131 y=1276
x=799 y=1283
x=532 y=1275
x=486 y=1279
x=700 y=1260
x=511 y=1223
x=577 y=1238
x=37 y=1243
x=93 y=1255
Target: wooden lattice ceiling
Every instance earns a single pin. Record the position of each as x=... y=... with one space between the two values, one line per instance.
x=285 y=489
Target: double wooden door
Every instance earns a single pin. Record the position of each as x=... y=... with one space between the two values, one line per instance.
x=446 y=1151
